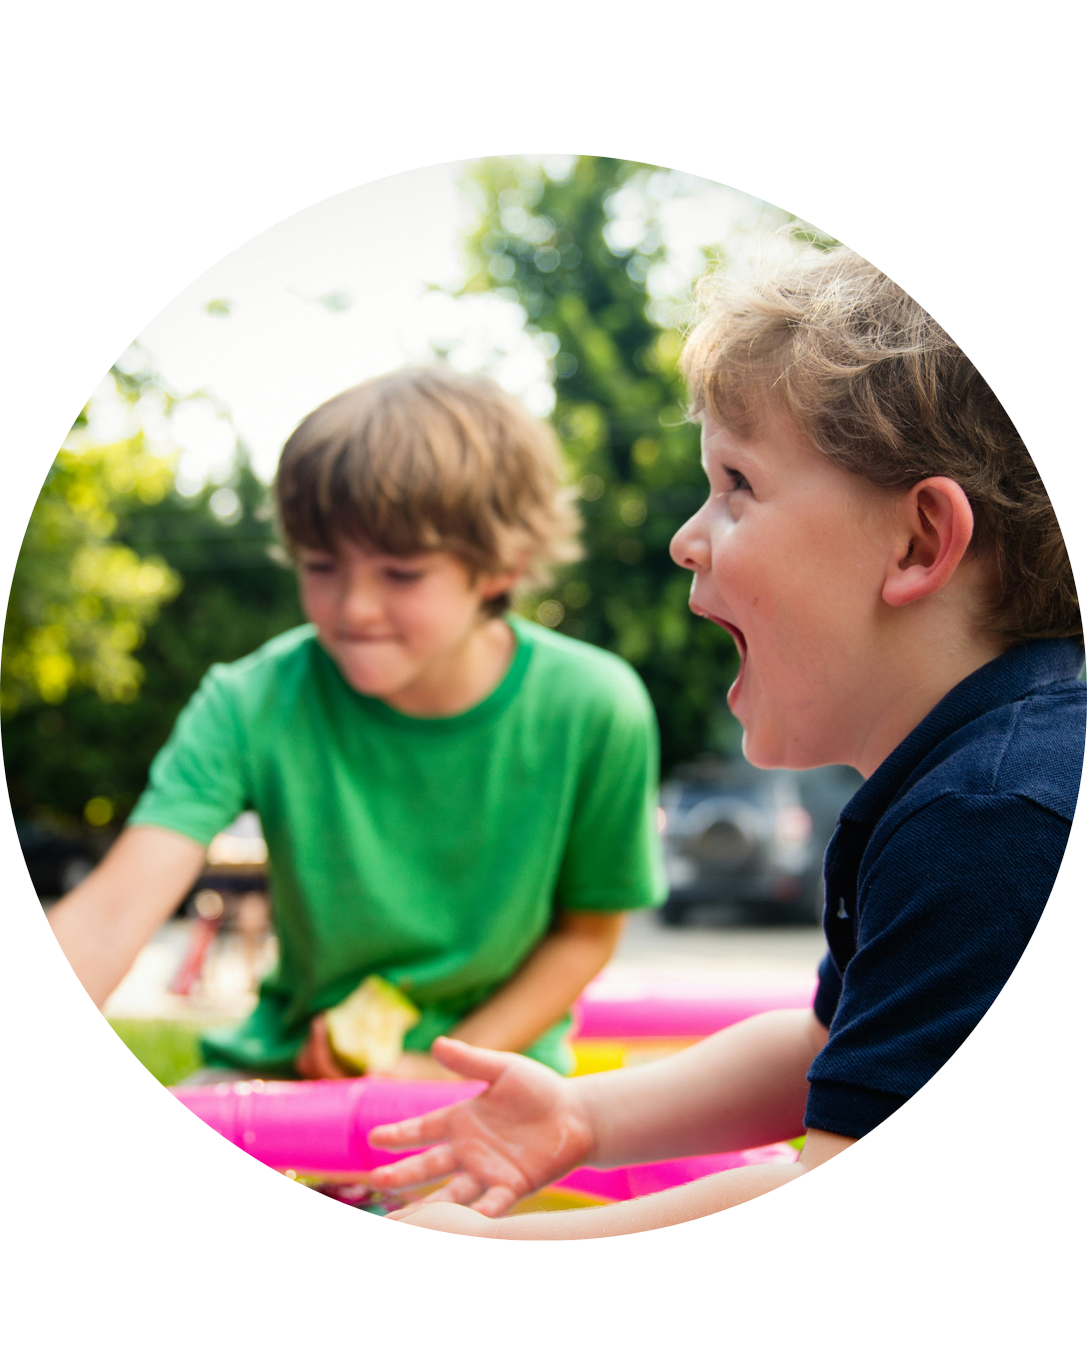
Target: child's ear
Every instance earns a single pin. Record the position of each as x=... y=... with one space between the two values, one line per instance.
x=937 y=524
x=499 y=583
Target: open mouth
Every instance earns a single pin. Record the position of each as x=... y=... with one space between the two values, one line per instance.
x=737 y=637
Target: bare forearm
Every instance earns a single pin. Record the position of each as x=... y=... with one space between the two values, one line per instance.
x=694 y=1201
x=544 y=988
x=102 y=924
x=99 y=956
x=741 y=1088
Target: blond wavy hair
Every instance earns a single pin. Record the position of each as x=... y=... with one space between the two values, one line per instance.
x=426 y=459
x=879 y=387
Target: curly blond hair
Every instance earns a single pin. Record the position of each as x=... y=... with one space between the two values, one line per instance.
x=879 y=387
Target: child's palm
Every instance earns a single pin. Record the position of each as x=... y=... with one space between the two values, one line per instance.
x=520 y=1134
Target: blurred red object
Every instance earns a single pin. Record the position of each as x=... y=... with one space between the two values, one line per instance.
x=210 y=909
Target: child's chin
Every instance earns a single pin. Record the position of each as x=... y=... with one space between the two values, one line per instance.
x=762 y=751
x=751 y=753
x=374 y=684
x=780 y=752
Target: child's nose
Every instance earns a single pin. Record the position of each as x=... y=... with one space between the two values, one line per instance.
x=359 y=603
x=689 y=547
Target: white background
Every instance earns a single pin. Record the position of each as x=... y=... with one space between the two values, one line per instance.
x=386 y=255
x=146 y=142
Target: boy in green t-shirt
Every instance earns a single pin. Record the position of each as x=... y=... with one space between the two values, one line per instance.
x=454 y=799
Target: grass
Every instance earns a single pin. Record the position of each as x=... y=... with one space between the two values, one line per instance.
x=168 y=1049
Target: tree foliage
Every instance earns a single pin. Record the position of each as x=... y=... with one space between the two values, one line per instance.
x=80 y=602
x=227 y=593
x=551 y=244
x=548 y=242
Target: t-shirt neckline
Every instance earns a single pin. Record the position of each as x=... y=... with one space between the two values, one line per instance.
x=494 y=703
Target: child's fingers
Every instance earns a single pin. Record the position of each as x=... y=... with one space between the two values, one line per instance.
x=469 y=1060
x=404 y=1213
x=414 y=1171
x=446 y=1219
x=428 y=1129
x=495 y=1201
x=460 y=1189
x=316 y=1060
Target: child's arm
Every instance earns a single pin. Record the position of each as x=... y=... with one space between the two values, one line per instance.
x=103 y=923
x=743 y=1087
x=708 y=1195
x=534 y=999
x=547 y=984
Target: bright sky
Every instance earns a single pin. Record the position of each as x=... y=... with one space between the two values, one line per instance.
x=343 y=291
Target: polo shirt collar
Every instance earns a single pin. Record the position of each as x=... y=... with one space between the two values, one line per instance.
x=1012 y=676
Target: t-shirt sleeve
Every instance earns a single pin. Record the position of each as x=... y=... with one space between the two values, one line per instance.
x=613 y=857
x=944 y=914
x=197 y=780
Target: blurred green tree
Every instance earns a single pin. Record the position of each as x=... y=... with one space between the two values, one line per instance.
x=227 y=591
x=80 y=601
x=555 y=245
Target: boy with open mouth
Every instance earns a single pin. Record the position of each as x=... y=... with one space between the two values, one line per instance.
x=880 y=545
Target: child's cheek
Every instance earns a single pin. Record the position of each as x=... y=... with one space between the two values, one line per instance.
x=319 y=604
x=305 y=599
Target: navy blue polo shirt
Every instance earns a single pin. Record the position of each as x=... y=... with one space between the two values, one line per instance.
x=937 y=875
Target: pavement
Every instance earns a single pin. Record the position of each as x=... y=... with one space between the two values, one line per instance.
x=226 y=991
x=733 y=957
x=731 y=953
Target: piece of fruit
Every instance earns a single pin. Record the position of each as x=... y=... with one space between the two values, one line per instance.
x=367 y=1029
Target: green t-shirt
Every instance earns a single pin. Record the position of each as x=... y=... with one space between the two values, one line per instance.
x=431 y=851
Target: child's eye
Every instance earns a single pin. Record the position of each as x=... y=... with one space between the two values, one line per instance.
x=318 y=566
x=736 y=481
x=404 y=575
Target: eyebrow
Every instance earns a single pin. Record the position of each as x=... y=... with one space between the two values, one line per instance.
x=729 y=458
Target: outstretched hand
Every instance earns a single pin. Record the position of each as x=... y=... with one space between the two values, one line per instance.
x=527 y=1129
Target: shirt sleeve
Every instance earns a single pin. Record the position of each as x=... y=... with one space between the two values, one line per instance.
x=613 y=856
x=828 y=991
x=944 y=914
x=197 y=781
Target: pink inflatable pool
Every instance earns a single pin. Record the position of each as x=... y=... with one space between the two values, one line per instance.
x=612 y=1008
x=322 y=1128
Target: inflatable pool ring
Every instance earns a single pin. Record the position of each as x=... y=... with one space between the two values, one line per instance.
x=321 y=1128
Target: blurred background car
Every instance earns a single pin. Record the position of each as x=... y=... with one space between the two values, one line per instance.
x=747 y=842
